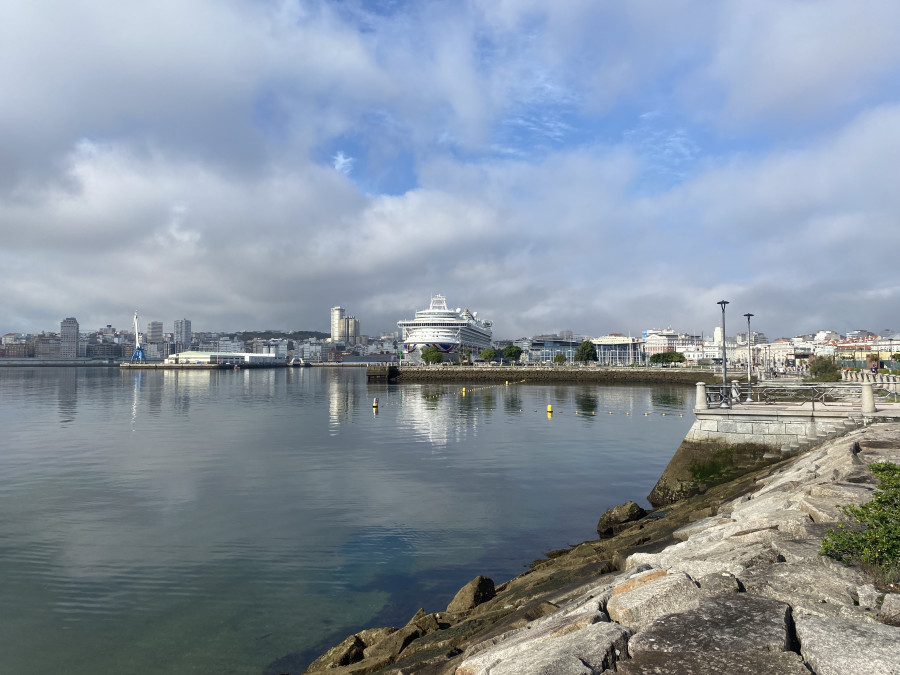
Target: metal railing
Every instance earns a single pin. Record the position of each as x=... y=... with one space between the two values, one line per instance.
x=800 y=394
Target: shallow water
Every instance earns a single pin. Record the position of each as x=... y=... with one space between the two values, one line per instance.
x=239 y=521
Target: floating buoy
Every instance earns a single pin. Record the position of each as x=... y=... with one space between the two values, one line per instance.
x=610 y=412
x=375 y=402
x=549 y=409
x=645 y=414
x=628 y=413
x=664 y=414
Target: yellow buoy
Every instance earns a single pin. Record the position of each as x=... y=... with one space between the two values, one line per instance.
x=664 y=414
x=549 y=409
x=375 y=403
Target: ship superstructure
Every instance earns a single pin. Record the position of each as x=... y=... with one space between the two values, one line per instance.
x=450 y=331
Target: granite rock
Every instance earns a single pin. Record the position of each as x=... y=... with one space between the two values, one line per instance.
x=738 y=622
x=837 y=646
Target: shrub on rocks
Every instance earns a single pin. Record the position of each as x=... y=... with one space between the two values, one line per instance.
x=873 y=538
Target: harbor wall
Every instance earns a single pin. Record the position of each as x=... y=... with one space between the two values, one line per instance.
x=551 y=375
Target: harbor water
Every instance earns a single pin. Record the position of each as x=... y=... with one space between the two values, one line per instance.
x=243 y=521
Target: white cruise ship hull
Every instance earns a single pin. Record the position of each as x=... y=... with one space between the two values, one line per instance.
x=449 y=331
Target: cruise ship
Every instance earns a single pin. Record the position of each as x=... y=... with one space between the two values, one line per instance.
x=451 y=331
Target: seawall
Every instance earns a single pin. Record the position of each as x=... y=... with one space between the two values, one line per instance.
x=550 y=375
x=725 y=442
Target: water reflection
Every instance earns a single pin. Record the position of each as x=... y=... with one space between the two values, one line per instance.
x=67 y=395
x=174 y=503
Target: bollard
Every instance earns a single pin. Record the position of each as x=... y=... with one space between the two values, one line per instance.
x=867 y=399
x=701 y=403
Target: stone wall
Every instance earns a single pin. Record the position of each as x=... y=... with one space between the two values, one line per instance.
x=550 y=375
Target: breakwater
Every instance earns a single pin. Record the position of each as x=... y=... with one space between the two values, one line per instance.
x=727 y=578
x=543 y=374
x=728 y=581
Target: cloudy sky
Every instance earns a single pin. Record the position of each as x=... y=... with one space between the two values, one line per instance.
x=588 y=165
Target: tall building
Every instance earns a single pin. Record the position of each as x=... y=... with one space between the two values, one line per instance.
x=154 y=331
x=352 y=330
x=338 y=325
x=182 y=335
x=68 y=338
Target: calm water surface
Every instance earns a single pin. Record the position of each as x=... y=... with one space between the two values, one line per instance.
x=241 y=521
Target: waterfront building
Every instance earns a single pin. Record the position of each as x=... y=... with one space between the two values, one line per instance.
x=47 y=347
x=544 y=348
x=154 y=331
x=68 y=338
x=183 y=334
x=230 y=345
x=618 y=350
x=338 y=325
x=658 y=341
x=197 y=357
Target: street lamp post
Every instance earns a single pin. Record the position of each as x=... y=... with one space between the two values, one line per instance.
x=749 y=359
x=725 y=392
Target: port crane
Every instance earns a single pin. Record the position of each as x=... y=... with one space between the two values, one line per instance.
x=139 y=354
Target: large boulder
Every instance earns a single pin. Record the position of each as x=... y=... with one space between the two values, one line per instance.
x=477 y=591
x=616 y=518
x=737 y=622
x=704 y=663
x=836 y=646
x=642 y=604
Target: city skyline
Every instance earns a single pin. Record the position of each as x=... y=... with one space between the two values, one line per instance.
x=602 y=166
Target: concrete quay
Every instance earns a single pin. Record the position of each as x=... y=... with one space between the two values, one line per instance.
x=726 y=582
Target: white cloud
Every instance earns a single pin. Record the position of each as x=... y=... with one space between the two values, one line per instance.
x=585 y=165
x=342 y=163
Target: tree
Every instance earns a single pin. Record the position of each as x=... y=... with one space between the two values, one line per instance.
x=667 y=357
x=512 y=352
x=488 y=354
x=824 y=369
x=559 y=358
x=586 y=352
x=432 y=355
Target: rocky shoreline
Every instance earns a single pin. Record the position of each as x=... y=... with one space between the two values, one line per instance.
x=727 y=581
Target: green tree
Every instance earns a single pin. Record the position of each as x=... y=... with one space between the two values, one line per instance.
x=512 y=352
x=560 y=358
x=488 y=354
x=432 y=355
x=824 y=369
x=667 y=357
x=586 y=352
